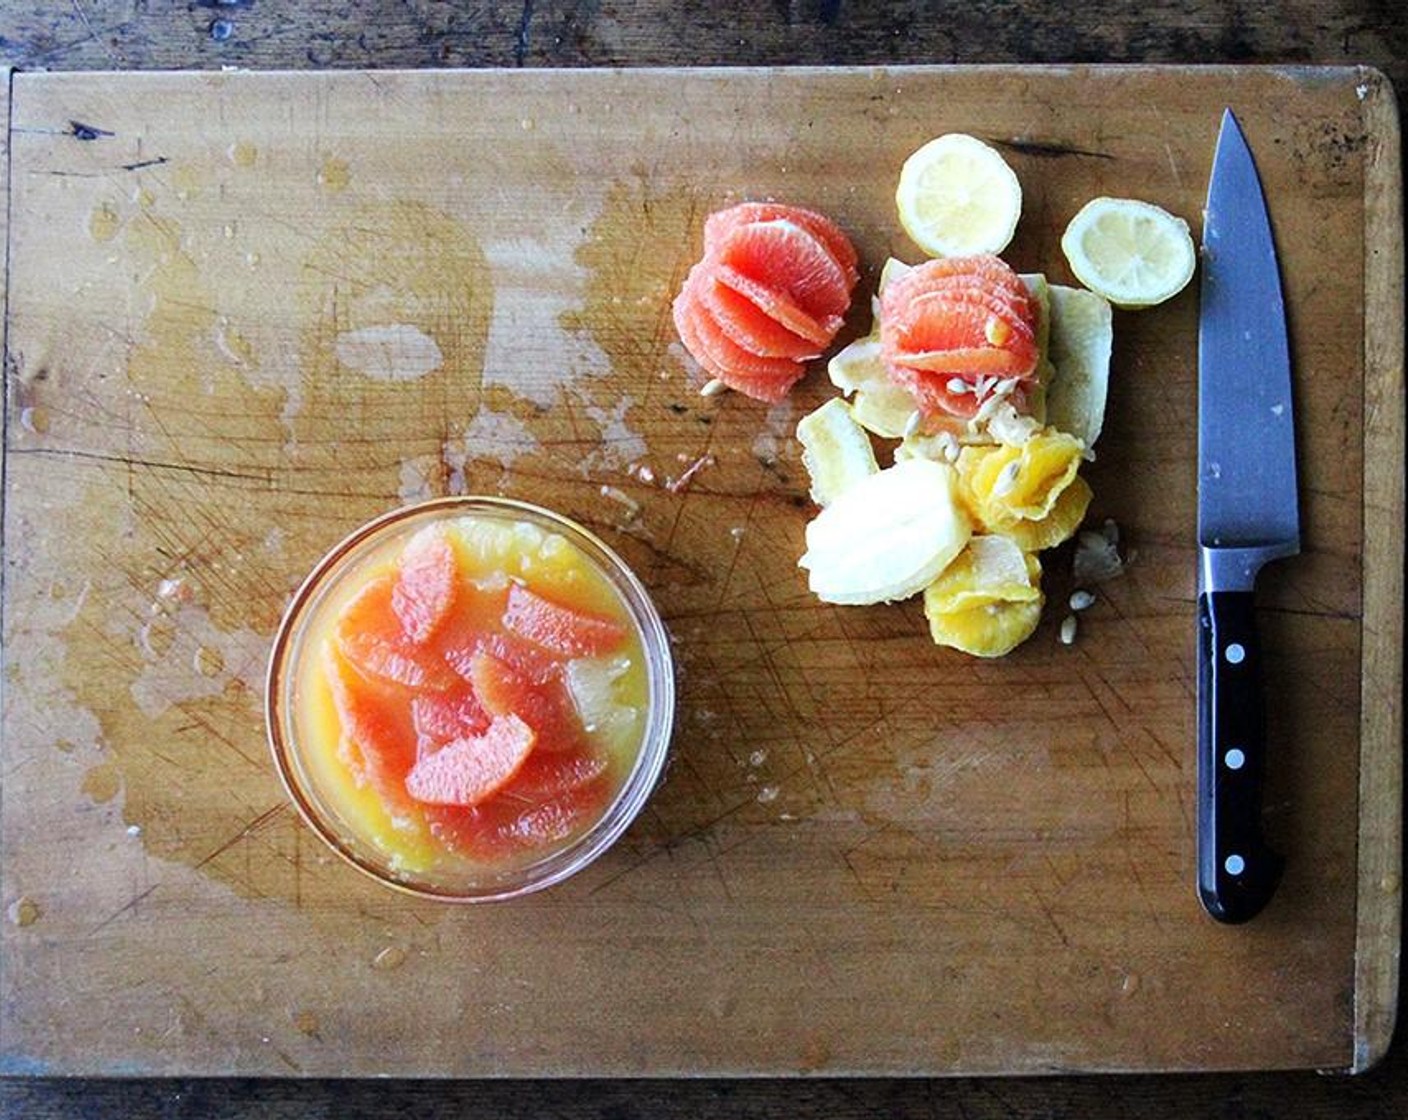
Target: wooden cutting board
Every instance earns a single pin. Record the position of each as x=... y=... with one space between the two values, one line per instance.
x=869 y=855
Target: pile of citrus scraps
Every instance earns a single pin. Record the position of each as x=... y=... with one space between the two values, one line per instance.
x=992 y=382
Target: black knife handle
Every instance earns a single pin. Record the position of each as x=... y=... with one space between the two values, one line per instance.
x=1237 y=872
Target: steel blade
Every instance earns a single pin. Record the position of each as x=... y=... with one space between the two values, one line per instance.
x=1246 y=428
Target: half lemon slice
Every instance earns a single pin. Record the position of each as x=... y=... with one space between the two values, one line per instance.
x=1133 y=253
x=957 y=196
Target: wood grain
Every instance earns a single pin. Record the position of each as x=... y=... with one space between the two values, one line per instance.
x=382 y=34
x=1381 y=774
x=987 y=863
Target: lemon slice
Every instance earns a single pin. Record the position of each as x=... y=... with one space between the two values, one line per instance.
x=957 y=196
x=1133 y=253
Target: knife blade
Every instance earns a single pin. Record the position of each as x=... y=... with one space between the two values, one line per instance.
x=1248 y=515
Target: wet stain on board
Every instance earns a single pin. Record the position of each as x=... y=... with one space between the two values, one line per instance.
x=180 y=732
x=398 y=292
x=168 y=650
x=334 y=175
x=636 y=255
x=103 y=223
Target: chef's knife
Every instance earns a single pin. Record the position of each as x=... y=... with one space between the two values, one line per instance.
x=1247 y=516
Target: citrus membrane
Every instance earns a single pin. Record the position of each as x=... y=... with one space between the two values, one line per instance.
x=887 y=536
x=835 y=450
x=1082 y=338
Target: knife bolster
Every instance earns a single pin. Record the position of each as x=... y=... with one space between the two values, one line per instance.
x=1235 y=569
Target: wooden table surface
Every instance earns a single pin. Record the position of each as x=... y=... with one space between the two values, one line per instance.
x=205 y=34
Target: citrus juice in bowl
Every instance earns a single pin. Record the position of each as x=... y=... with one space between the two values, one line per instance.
x=470 y=698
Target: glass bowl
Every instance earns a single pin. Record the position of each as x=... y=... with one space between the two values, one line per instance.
x=422 y=850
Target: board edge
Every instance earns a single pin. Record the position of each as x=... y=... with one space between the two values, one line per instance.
x=1377 y=946
x=1380 y=835
x=7 y=74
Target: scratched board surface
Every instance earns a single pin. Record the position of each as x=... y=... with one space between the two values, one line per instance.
x=248 y=312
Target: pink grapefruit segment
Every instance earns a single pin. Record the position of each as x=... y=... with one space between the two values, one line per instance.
x=378 y=741
x=787 y=257
x=764 y=379
x=510 y=824
x=932 y=394
x=370 y=635
x=733 y=359
x=440 y=719
x=564 y=630
x=425 y=584
x=545 y=707
x=750 y=327
x=778 y=305
x=474 y=768
x=722 y=222
x=551 y=775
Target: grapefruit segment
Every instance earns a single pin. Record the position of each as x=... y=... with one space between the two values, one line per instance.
x=980 y=339
x=686 y=311
x=425 y=584
x=931 y=392
x=778 y=305
x=392 y=662
x=469 y=770
x=786 y=256
x=554 y=820
x=543 y=706
x=370 y=635
x=551 y=775
x=378 y=740
x=749 y=326
x=533 y=662
x=471 y=830
x=440 y=719
x=984 y=269
x=563 y=630
x=769 y=389
x=506 y=826
x=721 y=222
x=968 y=300
x=464 y=634
x=764 y=379
x=733 y=359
